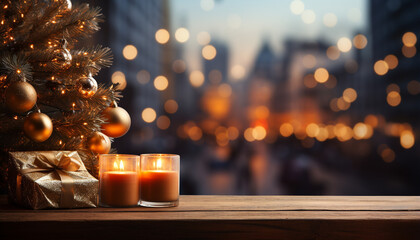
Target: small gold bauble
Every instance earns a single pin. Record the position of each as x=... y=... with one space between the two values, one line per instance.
x=66 y=5
x=62 y=57
x=87 y=86
x=99 y=143
x=20 y=97
x=38 y=126
x=117 y=120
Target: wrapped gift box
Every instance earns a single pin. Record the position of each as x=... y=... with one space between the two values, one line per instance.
x=51 y=179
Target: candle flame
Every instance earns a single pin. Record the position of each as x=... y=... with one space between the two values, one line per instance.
x=120 y=167
x=159 y=163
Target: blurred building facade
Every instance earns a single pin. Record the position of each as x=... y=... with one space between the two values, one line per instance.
x=135 y=23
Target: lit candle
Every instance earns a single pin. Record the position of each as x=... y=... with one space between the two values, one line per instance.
x=159 y=180
x=118 y=180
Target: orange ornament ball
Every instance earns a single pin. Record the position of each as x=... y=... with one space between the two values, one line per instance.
x=38 y=126
x=20 y=97
x=99 y=143
x=117 y=122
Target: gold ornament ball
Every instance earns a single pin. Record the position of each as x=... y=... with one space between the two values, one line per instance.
x=87 y=86
x=99 y=143
x=20 y=97
x=117 y=120
x=38 y=126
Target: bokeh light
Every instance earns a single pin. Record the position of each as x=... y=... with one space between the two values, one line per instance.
x=182 y=35
x=388 y=155
x=196 y=78
x=209 y=52
x=333 y=53
x=330 y=20
x=409 y=39
x=297 y=7
x=342 y=104
x=148 y=115
x=237 y=72
x=129 y=52
x=309 y=81
x=350 y=95
x=259 y=133
x=248 y=135
x=392 y=61
x=392 y=87
x=360 y=41
x=203 y=38
x=143 y=77
x=118 y=77
x=371 y=120
x=380 y=67
x=162 y=36
x=308 y=16
x=407 y=139
x=344 y=44
x=393 y=98
x=224 y=90
x=163 y=122
x=171 y=106
x=161 y=83
x=360 y=130
x=312 y=130
x=321 y=75
x=309 y=61
x=195 y=133
x=286 y=129
x=233 y=133
x=409 y=52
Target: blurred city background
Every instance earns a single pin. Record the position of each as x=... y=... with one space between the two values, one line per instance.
x=271 y=97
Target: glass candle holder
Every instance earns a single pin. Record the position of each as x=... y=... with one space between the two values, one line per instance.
x=159 y=180
x=118 y=180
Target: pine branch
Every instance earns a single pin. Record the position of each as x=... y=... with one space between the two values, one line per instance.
x=13 y=68
x=81 y=22
x=90 y=60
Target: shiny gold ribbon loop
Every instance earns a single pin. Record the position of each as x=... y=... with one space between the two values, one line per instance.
x=47 y=162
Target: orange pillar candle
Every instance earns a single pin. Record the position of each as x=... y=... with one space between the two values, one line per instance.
x=159 y=180
x=118 y=180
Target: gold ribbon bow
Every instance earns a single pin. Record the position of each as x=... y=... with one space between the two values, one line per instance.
x=61 y=164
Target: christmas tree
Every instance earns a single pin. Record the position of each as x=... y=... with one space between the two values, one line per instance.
x=49 y=98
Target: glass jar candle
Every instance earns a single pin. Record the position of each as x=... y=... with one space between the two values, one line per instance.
x=118 y=180
x=159 y=180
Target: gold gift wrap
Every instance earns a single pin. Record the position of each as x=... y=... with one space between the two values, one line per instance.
x=51 y=179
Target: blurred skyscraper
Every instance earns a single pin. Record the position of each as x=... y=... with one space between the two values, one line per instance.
x=389 y=21
x=135 y=23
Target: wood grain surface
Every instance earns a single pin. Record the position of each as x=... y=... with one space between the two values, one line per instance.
x=226 y=217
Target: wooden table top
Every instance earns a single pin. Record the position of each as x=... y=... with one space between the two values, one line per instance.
x=228 y=217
